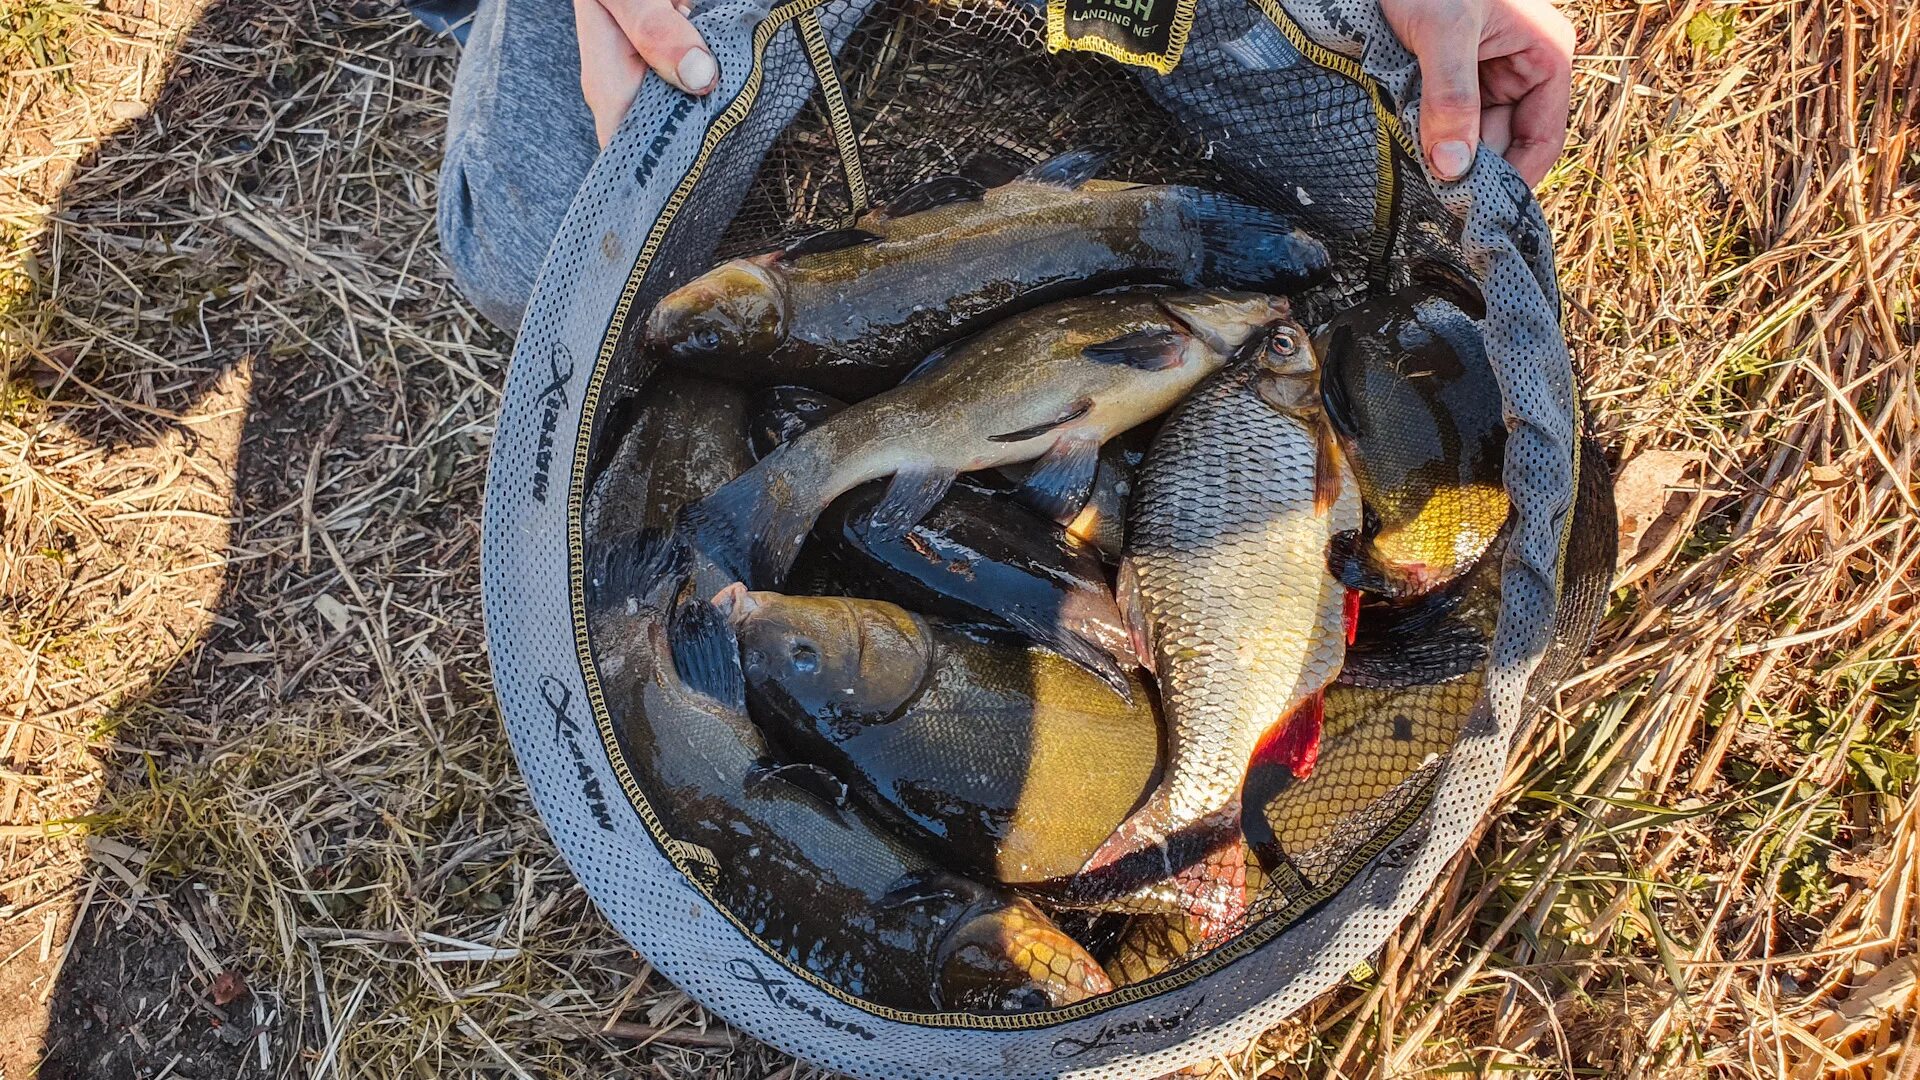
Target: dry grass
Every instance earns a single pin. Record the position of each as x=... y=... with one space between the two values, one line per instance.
x=243 y=424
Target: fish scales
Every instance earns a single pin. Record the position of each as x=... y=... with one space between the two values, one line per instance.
x=1227 y=553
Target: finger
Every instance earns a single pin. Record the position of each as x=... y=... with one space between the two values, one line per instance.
x=610 y=70
x=667 y=42
x=1537 y=79
x=1539 y=130
x=1496 y=128
x=1447 y=44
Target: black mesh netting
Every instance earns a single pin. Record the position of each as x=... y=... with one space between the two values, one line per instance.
x=931 y=88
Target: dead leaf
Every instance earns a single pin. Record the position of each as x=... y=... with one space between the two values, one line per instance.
x=333 y=611
x=228 y=987
x=1826 y=476
x=1654 y=503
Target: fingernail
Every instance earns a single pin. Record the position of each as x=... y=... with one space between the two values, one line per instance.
x=696 y=70
x=1451 y=159
x=685 y=10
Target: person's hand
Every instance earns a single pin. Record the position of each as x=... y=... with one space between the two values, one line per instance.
x=1492 y=71
x=621 y=39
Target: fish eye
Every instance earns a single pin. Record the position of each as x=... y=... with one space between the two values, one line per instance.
x=706 y=338
x=1283 y=341
x=806 y=659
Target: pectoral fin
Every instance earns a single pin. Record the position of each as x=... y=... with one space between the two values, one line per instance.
x=811 y=779
x=912 y=492
x=1147 y=350
x=1061 y=481
x=1076 y=409
x=1127 y=593
x=706 y=655
x=1328 y=467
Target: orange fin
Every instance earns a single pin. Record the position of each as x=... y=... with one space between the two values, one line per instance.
x=1294 y=743
x=1327 y=464
x=1351 y=613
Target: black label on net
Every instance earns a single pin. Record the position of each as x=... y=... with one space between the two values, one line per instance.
x=1150 y=33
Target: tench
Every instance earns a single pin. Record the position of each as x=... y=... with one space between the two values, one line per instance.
x=977 y=557
x=853 y=310
x=1052 y=384
x=1002 y=760
x=785 y=851
x=1409 y=388
x=781 y=412
x=1226 y=583
x=688 y=437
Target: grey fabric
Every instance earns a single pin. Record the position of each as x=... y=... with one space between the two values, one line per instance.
x=519 y=141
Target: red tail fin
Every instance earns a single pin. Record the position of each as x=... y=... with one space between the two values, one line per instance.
x=1353 y=615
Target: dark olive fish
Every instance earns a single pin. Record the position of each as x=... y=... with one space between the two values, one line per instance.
x=809 y=873
x=1049 y=386
x=1410 y=390
x=689 y=438
x=853 y=310
x=977 y=557
x=1005 y=761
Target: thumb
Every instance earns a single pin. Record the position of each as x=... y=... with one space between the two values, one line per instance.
x=1449 y=95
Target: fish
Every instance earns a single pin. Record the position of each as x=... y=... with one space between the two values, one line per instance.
x=850 y=311
x=1049 y=386
x=1001 y=760
x=687 y=438
x=1233 y=607
x=807 y=871
x=1102 y=520
x=977 y=557
x=781 y=412
x=1409 y=389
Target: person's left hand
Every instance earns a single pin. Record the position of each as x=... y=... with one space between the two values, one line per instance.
x=1497 y=72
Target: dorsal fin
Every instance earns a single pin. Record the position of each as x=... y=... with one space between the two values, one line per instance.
x=1071 y=169
x=993 y=166
x=829 y=240
x=932 y=194
x=931 y=361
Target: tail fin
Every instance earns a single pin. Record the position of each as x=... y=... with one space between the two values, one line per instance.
x=752 y=527
x=1205 y=861
x=632 y=566
x=1246 y=246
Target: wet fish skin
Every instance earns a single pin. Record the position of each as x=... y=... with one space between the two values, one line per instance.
x=821 y=883
x=1048 y=386
x=688 y=437
x=1002 y=760
x=779 y=413
x=976 y=557
x=1243 y=632
x=853 y=311
x=1411 y=392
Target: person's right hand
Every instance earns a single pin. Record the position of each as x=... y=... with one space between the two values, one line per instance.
x=1498 y=72
x=621 y=39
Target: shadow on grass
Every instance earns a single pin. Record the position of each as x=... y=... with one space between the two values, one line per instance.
x=255 y=418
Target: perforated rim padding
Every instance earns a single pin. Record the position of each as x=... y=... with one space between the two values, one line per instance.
x=627 y=236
